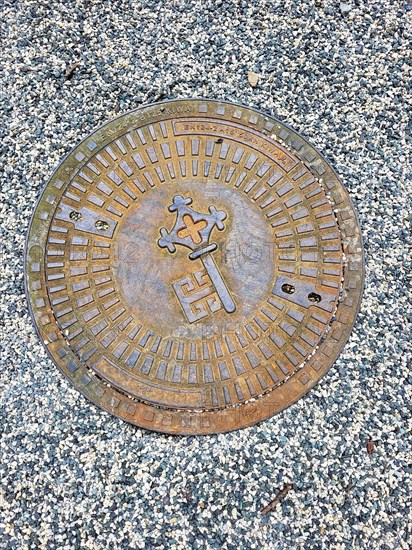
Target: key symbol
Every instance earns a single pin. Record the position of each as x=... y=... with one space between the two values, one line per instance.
x=193 y=230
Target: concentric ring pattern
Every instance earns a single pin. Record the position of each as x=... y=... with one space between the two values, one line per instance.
x=142 y=330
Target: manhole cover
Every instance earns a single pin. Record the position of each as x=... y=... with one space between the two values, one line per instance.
x=194 y=266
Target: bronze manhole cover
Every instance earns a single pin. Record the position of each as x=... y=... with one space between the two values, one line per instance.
x=194 y=266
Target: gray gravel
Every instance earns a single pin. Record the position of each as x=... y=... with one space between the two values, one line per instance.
x=71 y=476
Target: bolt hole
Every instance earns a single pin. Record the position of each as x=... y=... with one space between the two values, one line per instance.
x=75 y=216
x=102 y=225
x=313 y=297
x=288 y=289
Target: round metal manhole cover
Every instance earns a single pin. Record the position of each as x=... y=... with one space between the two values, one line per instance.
x=194 y=266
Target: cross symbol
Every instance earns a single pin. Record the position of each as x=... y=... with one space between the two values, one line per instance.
x=192 y=229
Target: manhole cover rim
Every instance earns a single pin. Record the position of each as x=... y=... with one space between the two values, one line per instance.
x=246 y=414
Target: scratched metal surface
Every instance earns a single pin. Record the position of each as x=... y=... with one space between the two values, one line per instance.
x=194 y=266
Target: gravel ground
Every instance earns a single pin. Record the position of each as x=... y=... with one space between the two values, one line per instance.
x=71 y=476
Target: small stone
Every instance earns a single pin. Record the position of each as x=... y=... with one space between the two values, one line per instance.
x=253 y=78
x=370 y=446
x=345 y=8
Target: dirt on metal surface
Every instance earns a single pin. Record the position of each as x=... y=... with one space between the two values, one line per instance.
x=194 y=266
